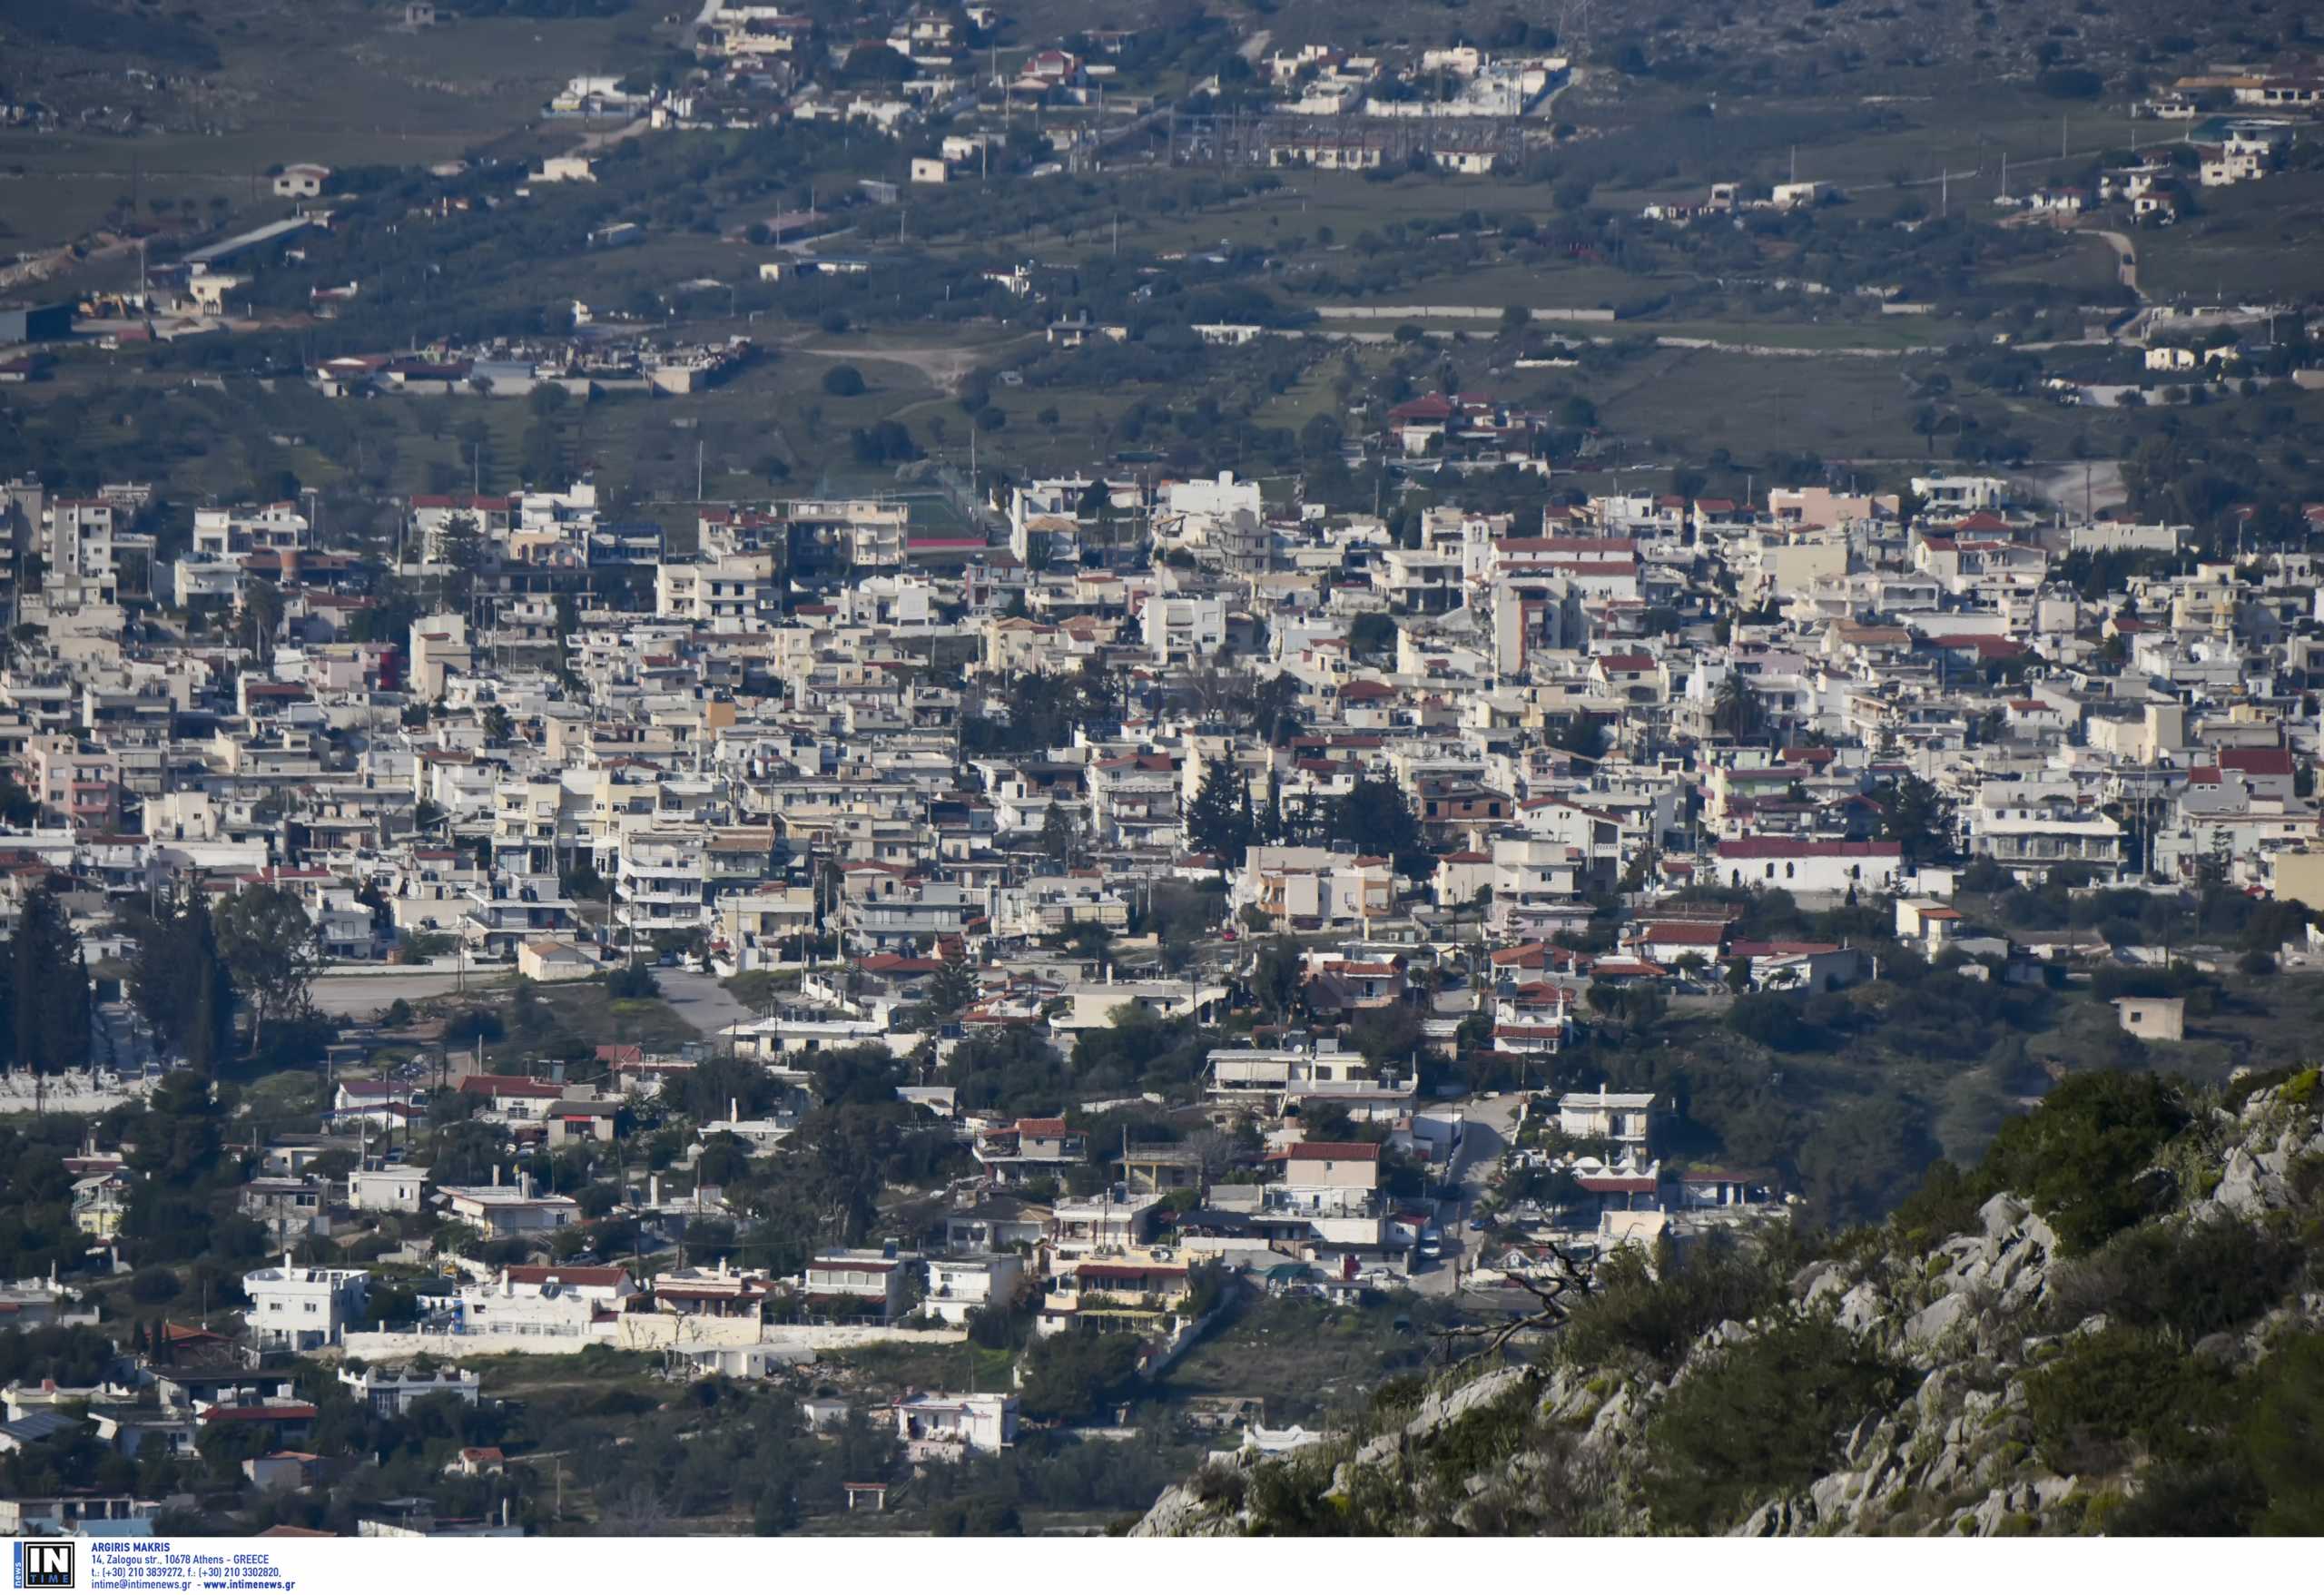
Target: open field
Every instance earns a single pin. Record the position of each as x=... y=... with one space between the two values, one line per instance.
x=334 y=84
x=2253 y=241
x=1342 y=1355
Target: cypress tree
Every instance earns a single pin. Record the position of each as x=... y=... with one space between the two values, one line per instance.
x=51 y=995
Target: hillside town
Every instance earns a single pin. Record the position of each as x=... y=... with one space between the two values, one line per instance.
x=1180 y=863
x=882 y=769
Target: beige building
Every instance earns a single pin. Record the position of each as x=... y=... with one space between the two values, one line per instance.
x=2299 y=877
x=2152 y=1019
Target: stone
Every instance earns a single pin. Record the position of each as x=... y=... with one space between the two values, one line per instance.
x=1859 y=1309
x=1776 y=1519
x=1831 y=1493
x=2036 y=1229
x=1439 y=1409
x=2050 y=1491
x=1819 y=1281
x=1934 y=1321
x=1610 y=1417
x=2251 y=1186
x=1179 y=1511
x=2002 y=1214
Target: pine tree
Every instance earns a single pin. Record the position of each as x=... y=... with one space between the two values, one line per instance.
x=1059 y=834
x=1218 y=822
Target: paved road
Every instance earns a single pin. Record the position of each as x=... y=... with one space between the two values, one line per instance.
x=1491 y=1126
x=2126 y=258
x=361 y=996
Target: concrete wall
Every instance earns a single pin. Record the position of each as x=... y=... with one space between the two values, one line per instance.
x=1453 y=313
x=643 y=1332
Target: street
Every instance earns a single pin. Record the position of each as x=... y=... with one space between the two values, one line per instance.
x=1491 y=1126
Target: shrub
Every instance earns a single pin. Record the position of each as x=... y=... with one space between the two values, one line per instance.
x=2079 y=1158
x=2116 y=1392
x=632 y=981
x=2285 y=1438
x=1946 y=1205
x=843 y=382
x=1659 y=1316
x=2196 y=1281
x=1764 y=1418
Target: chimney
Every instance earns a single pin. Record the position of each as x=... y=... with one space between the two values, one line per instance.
x=652 y=1190
x=734 y=1110
x=496 y=1174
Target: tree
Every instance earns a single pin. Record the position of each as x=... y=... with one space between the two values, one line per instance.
x=49 y=989
x=1372 y=632
x=952 y=988
x=842 y=381
x=1218 y=822
x=1735 y=711
x=1069 y=1375
x=179 y=983
x=1275 y=976
x=271 y=951
x=262 y=616
x=1373 y=817
x=460 y=546
x=1060 y=834
x=1915 y=816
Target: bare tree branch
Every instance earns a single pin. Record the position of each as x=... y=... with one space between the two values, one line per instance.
x=1573 y=1276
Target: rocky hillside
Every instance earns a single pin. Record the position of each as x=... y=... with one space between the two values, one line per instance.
x=2115 y=1321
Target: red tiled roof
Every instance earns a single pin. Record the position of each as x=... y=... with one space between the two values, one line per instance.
x=1787 y=847
x=566 y=1273
x=294 y=1412
x=2256 y=761
x=511 y=1086
x=1693 y=933
x=1334 y=1151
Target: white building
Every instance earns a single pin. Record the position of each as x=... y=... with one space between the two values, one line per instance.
x=1182 y=630
x=392 y=1391
x=961 y=1286
x=945 y=1427
x=386 y=1190
x=301 y=1309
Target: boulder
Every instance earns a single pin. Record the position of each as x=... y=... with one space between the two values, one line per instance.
x=1441 y=1409
x=1832 y=1494
x=2249 y=1188
x=1776 y=1519
x=1934 y=1321
x=2001 y=1214
x=1859 y=1309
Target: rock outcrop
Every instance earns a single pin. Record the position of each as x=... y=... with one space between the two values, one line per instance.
x=1569 y=1448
